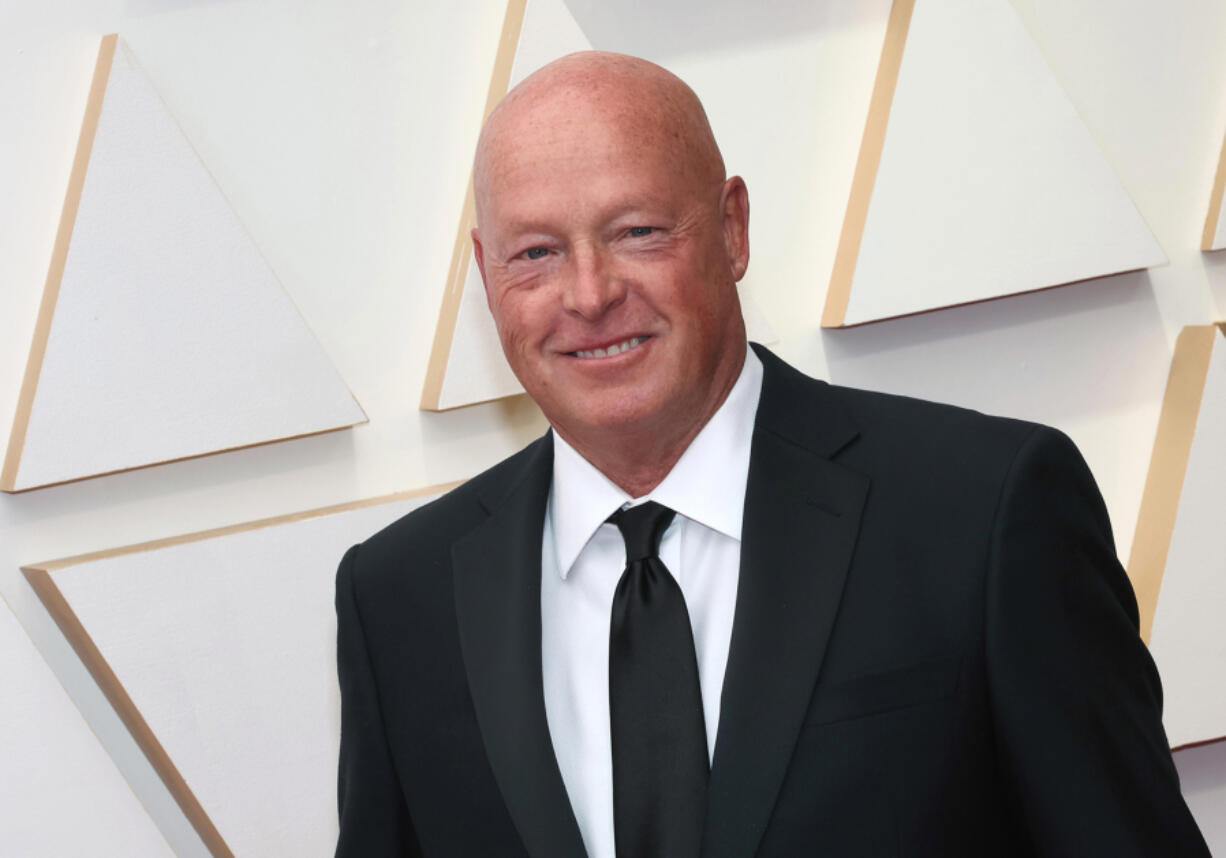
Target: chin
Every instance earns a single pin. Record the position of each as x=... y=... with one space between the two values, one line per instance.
x=622 y=415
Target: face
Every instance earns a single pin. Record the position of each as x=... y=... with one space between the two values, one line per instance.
x=610 y=268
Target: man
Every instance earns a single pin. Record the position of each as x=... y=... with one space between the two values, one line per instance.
x=890 y=627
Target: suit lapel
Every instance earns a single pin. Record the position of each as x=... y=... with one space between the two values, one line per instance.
x=497 y=591
x=802 y=515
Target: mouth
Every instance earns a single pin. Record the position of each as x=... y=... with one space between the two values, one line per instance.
x=610 y=351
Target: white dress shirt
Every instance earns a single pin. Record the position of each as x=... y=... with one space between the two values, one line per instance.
x=582 y=559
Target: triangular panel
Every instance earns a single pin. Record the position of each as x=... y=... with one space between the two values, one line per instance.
x=218 y=652
x=976 y=177
x=163 y=334
x=466 y=364
x=61 y=793
x=1178 y=562
x=1214 y=236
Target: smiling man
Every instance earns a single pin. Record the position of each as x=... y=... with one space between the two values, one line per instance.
x=723 y=609
x=606 y=224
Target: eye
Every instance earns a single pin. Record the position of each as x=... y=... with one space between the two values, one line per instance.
x=536 y=252
x=641 y=231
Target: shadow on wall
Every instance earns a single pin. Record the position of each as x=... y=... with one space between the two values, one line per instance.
x=657 y=31
x=1094 y=347
x=1215 y=274
x=231 y=471
x=517 y=415
x=1202 y=775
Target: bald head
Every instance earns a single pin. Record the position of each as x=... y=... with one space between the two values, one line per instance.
x=589 y=93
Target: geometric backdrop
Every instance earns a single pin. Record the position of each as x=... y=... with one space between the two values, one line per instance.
x=218 y=652
x=163 y=334
x=976 y=178
x=370 y=108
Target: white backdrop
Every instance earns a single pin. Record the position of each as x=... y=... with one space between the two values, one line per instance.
x=341 y=135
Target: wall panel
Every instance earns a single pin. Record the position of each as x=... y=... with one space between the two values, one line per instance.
x=163 y=334
x=976 y=178
x=218 y=650
x=56 y=782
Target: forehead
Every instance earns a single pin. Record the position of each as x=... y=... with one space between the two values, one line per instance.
x=564 y=152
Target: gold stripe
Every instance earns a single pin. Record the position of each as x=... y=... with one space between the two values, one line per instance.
x=871 y=146
x=1215 y=203
x=59 y=258
x=1185 y=390
x=444 y=333
x=88 y=652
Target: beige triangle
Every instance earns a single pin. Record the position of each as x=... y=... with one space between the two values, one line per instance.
x=237 y=715
x=976 y=178
x=163 y=334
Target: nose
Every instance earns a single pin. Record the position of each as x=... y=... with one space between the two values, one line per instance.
x=592 y=287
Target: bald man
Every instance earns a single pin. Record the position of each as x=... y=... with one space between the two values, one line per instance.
x=721 y=608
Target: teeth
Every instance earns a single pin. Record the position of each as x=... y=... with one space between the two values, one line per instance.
x=611 y=350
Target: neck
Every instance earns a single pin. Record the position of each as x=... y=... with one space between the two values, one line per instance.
x=635 y=465
x=638 y=459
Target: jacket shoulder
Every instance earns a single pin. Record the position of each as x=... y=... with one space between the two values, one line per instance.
x=919 y=419
x=848 y=422
x=952 y=454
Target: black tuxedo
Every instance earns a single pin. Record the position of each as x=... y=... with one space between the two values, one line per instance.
x=934 y=653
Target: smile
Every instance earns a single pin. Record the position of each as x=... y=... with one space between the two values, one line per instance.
x=612 y=350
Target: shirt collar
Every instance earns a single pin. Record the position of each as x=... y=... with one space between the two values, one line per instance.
x=581 y=497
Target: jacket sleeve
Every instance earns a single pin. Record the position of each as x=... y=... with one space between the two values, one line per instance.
x=1075 y=696
x=374 y=821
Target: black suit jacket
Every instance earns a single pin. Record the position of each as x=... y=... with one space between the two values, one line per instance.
x=934 y=653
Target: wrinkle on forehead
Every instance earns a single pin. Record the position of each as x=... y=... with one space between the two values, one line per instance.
x=583 y=95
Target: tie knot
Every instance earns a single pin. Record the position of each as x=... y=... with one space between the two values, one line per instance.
x=642 y=528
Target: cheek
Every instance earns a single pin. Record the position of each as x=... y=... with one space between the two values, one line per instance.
x=521 y=319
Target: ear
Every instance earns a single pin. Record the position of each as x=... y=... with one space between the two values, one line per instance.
x=734 y=207
x=479 y=255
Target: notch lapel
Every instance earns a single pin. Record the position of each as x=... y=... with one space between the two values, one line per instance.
x=498 y=606
x=802 y=516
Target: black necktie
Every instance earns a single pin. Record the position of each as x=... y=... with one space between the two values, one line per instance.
x=660 y=766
